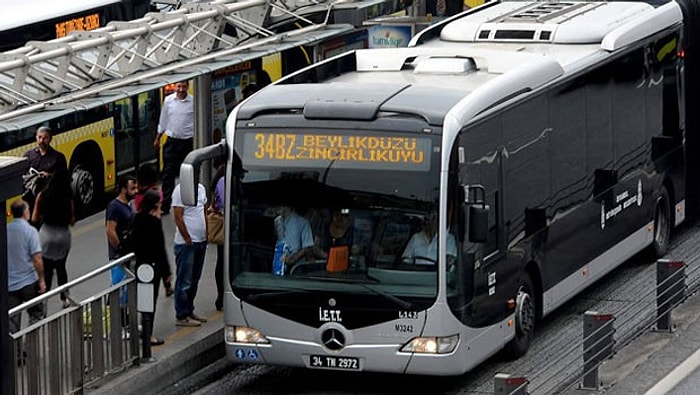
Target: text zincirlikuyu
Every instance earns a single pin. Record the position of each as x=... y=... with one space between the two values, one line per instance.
x=293 y=147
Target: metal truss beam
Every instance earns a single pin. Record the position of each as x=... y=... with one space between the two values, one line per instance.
x=41 y=71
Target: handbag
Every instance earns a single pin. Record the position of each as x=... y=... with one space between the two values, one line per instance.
x=215 y=227
x=338 y=257
x=126 y=242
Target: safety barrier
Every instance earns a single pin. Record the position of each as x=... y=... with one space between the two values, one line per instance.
x=80 y=344
x=505 y=384
x=599 y=343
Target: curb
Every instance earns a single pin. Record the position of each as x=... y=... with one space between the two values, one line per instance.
x=185 y=352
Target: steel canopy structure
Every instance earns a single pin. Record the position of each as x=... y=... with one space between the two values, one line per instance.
x=126 y=58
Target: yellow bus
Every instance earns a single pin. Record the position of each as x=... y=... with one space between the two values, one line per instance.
x=99 y=142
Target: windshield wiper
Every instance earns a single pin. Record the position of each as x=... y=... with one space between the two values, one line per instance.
x=342 y=278
x=267 y=295
x=364 y=283
x=398 y=301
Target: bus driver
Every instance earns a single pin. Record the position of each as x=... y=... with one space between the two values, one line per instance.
x=423 y=244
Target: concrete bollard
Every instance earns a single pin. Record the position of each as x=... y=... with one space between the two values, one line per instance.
x=505 y=384
x=597 y=346
x=670 y=290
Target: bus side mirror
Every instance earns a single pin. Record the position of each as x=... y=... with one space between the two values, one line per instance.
x=189 y=170
x=188 y=184
x=478 y=223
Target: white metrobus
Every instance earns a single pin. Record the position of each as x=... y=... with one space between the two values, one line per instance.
x=546 y=138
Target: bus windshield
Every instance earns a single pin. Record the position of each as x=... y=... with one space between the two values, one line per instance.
x=321 y=212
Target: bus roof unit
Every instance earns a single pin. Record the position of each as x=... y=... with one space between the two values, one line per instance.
x=558 y=23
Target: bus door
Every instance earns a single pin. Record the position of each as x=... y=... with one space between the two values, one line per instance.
x=136 y=123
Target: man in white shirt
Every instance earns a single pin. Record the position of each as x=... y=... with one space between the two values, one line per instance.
x=190 y=249
x=177 y=122
x=423 y=244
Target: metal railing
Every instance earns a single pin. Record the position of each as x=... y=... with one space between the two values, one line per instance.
x=578 y=364
x=81 y=344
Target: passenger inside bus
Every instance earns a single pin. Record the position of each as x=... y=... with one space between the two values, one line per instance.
x=295 y=231
x=336 y=245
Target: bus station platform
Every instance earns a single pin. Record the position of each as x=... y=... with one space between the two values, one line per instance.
x=186 y=349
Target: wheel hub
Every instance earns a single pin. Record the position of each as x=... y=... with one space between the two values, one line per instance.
x=524 y=312
x=83 y=185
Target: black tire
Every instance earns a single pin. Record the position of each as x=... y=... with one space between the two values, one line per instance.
x=662 y=225
x=525 y=319
x=84 y=182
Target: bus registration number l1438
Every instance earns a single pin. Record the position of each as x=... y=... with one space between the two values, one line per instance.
x=332 y=362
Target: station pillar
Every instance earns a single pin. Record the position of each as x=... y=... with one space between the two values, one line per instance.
x=11 y=170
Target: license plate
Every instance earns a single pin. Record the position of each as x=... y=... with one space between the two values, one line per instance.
x=333 y=362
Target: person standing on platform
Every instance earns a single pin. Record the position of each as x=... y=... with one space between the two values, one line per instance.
x=44 y=161
x=147 y=180
x=149 y=248
x=119 y=216
x=54 y=210
x=217 y=204
x=25 y=268
x=190 y=249
x=177 y=122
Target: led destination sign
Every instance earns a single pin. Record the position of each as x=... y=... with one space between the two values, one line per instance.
x=79 y=23
x=319 y=150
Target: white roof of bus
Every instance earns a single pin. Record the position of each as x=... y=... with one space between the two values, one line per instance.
x=576 y=43
x=24 y=12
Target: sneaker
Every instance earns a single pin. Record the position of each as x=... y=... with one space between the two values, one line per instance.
x=66 y=304
x=148 y=360
x=188 y=322
x=197 y=318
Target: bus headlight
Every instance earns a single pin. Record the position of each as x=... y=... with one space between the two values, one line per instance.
x=243 y=334
x=431 y=345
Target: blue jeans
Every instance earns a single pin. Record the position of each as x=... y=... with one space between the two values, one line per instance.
x=189 y=262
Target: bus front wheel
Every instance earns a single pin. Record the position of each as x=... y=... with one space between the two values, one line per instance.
x=525 y=318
